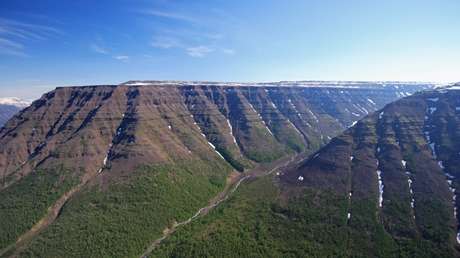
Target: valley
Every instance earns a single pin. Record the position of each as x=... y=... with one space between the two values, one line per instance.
x=343 y=201
x=140 y=159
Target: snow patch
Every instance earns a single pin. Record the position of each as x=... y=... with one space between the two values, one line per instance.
x=411 y=192
x=440 y=164
x=313 y=115
x=138 y=84
x=214 y=148
x=295 y=127
x=253 y=109
x=449 y=178
x=231 y=130
x=268 y=129
x=363 y=109
x=106 y=159
x=379 y=176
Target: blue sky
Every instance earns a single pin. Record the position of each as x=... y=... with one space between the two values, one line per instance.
x=48 y=43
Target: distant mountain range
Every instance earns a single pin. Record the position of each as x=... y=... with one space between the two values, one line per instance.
x=9 y=107
x=112 y=170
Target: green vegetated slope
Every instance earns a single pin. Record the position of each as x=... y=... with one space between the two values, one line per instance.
x=253 y=224
x=256 y=223
x=28 y=201
x=123 y=218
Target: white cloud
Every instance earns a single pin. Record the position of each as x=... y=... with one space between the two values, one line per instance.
x=104 y=51
x=165 y=42
x=9 y=47
x=171 y=15
x=122 y=58
x=199 y=51
x=98 y=49
x=12 y=31
x=27 y=30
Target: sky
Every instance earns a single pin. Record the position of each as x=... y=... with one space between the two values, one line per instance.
x=49 y=43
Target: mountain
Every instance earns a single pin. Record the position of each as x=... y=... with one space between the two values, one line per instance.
x=103 y=170
x=394 y=177
x=9 y=107
x=386 y=187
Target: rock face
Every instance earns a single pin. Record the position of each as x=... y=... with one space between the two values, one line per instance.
x=145 y=124
x=395 y=177
x=139 y=144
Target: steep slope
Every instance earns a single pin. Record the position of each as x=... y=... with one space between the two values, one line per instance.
x=394 y=175
x=387 y=187
x=107 y=168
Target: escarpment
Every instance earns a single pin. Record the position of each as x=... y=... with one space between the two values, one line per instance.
x=135 y=158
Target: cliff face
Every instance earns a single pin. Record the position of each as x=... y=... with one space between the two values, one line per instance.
x=94 y=148
x=150 y=124
x=394 y=176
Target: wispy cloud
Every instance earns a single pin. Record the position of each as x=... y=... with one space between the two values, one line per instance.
x=121 y=58
x=171 y=15
x=9 y=47
x=14 y=34
x=27 y=30
x=98 y=49
x=165 y=42
x=199 y=51
x=196 y=34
